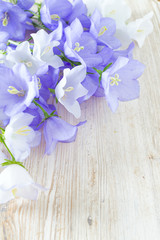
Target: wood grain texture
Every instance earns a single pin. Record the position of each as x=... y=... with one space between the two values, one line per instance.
x=105 y=185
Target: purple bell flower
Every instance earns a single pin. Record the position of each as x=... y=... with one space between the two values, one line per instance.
x=57 y=130
x=78 y=9
x=53 y=11
x=103 y=29
x=12 y=20
x=81 y=46
x=120 y=81
x=17 y=89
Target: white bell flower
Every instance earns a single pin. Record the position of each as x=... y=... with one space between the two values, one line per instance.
x=22 y=54
x=16 y=182
x=92 y=5
x=19 y=137
x=69 y=89
x=139 y=29
x=118 y=10
x=43 y=46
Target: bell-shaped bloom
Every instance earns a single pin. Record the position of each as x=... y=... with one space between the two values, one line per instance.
x=120 y=81
x=78 y=9
x=48 y=81
x=17 y=89
x=20 y=137
x=12 y=20
x=91 y=84
x=36 y=113
x=16 y=182
x=121 y=13
x=44 y=44
x=53 y=11
x=81 y=46
x=69 y=89
x=103 y=29
x=57 y=130
x=22 y=54
x=117 y=10
x=139 y=29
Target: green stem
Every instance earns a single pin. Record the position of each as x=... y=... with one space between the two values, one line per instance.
x=9 y=162
x=2 y=140
x=33 y=13
x=2 y=129
x=40 y=25
x=44 y=112
x=13 y=42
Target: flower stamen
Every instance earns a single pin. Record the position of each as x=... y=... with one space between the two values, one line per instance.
x=115 y=80
x=14 y=191
x=78 y=48
x=102 y=31
x=113 y=12
x=5 y=19
x=39 y=83
x=13 y=90
x=46 y=50
x=24 y=131
x=69 y=89
x=55 y=17
x=140 y=30
x=28 y=64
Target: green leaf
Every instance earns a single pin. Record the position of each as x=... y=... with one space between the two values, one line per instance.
x=46 y=115
x=98 y=71
x=107 y=67
x=51 y=90
x=100 y=78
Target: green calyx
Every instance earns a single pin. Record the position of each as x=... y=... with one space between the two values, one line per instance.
x=46 y=115
x=101 y=72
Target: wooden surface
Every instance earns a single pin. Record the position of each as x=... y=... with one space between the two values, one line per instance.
x=106 y=185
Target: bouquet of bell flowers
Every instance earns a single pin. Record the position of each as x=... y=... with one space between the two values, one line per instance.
x=66 y=51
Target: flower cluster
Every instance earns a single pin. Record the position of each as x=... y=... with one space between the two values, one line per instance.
x=67 y=51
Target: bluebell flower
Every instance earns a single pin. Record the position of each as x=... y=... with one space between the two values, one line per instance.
x=48 y=81
x=123 y=53
x=53 y=11
x=16 y=182
x=12 y=20
x=78 y=9
x=17 y=89
x=22 y=54
x=69 y=89
x=90 y=83
x=103 y=30
x=44 y=44
x=57 y=130
x=20 y=137
x=120 y=81
x=34 y=111
x=81 y=46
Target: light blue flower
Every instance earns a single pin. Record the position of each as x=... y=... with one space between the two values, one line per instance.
x=69 y=89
